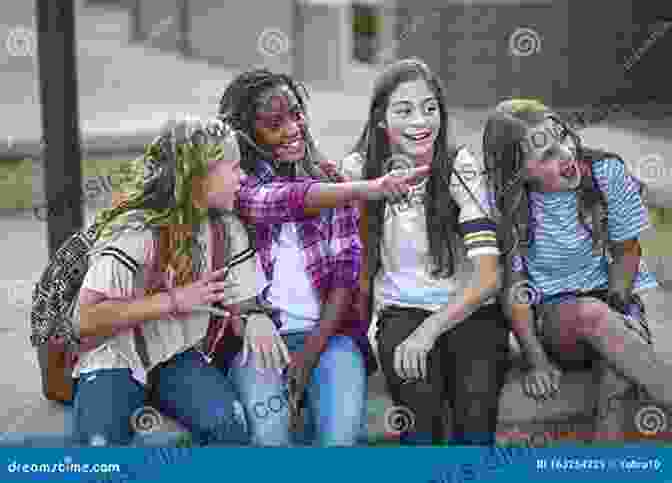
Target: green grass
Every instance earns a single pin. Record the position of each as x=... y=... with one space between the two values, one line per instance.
x=16 y=180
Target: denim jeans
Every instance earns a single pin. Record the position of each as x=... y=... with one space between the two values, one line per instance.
x=186 y=388
x=335 y=409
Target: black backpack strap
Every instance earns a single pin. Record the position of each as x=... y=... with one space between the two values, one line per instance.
x=138 y=337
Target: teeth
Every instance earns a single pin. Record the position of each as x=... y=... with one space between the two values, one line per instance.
x=417 y=137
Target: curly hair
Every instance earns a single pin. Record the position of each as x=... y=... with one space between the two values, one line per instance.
x=238 y=106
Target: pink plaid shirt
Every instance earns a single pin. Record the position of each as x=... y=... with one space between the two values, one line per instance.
x=330 y=241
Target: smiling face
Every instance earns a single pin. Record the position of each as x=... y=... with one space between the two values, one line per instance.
x=550 y=159
x=412 y=120
x=280 y=124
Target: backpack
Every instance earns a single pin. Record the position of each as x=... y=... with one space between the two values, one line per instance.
x=54 y=299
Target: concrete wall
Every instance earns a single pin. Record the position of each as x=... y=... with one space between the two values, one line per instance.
x=323 y=43
x=229 y=32
x=581 y=50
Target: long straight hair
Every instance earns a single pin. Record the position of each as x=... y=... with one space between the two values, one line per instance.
x=441 y=211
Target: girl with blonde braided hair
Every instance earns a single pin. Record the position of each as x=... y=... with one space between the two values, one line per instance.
x=144 y=306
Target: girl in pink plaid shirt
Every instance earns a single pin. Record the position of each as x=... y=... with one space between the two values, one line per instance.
x=315 y=354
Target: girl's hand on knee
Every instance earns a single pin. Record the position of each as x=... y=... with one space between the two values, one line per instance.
x=410 y=357
x=542 y=383
x=262 y=339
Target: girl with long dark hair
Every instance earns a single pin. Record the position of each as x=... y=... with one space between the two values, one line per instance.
x=432 y=264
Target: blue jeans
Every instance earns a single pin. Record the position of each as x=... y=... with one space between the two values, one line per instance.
x=335 y=397
x=187 y=389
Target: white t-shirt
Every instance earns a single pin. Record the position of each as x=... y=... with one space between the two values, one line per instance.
x=405 y=276
x=117 y=270
x=295 y=296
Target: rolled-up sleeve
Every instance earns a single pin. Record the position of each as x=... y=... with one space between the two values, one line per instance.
x=475 y=202
x=273 y=202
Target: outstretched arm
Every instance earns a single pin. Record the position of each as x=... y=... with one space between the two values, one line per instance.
x=282 y=202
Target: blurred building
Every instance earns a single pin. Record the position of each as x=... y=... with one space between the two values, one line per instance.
x=313 y=39
x=567 y=52
x=570 y=52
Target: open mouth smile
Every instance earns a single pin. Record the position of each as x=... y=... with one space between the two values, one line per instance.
x=419 y=136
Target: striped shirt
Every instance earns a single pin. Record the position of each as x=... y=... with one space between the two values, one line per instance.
x=560 y=256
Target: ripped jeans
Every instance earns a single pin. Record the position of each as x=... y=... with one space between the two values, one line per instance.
x=335 y=413
x=187 y=389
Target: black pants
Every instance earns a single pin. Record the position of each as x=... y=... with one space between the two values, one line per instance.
x=467 y=365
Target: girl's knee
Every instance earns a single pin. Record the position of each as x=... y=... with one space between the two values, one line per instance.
x=587 y=317
x=594 y=317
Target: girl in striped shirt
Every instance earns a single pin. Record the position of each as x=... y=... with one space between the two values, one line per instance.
x=573 y=285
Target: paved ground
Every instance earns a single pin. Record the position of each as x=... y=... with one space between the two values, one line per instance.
x=125 y=89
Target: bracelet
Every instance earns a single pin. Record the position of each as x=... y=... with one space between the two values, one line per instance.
x=173 y=313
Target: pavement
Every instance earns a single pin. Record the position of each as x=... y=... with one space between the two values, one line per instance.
x=126 y=92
